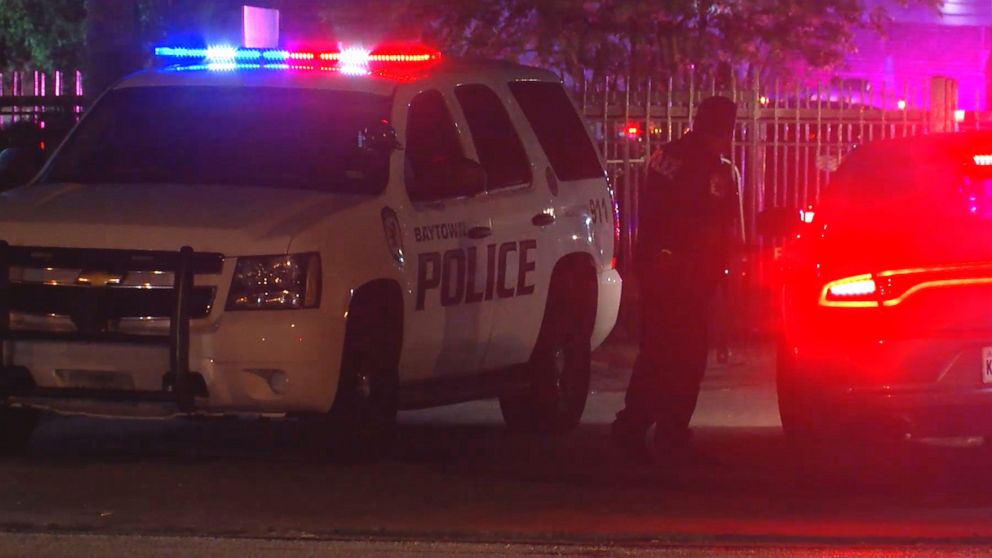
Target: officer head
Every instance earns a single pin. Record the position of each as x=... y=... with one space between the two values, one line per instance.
x=715 y=118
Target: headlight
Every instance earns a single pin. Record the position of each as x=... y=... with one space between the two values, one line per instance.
x=275 y=283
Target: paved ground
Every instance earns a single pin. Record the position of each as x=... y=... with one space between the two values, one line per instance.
x=457 y=475
x=59 y=546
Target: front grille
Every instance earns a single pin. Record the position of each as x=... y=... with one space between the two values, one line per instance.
x=109 y=260
x=104 y=303
x=96 y=289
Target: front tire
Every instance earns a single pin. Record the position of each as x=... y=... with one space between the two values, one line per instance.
x=809 y=416
x=362 y=420
x=560 y=365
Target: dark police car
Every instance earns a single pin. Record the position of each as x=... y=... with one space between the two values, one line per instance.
x=887 y=299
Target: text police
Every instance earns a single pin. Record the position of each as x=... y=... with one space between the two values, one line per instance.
x=456 y=273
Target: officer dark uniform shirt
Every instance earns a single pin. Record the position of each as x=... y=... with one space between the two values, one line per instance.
x=688 y=206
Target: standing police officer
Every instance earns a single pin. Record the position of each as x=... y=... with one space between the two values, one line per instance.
x=689 y=205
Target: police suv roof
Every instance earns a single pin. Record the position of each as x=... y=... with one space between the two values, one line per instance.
x=383 y=83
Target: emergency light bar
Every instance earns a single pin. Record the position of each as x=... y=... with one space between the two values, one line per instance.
x=344 y=57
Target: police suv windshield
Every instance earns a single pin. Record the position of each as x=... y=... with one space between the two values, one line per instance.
x=236 y=136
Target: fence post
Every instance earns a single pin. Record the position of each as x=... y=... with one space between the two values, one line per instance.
x=943 y=103
x=755 y=160
x=645 y=152
x=628 y=179
x=692 y=93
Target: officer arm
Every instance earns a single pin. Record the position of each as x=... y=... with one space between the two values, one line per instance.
x=650 y=217
x=734 y=209
x=739 y=195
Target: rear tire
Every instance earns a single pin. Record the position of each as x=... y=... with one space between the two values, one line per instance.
x=16 y=428
x=797 y=408
x=559 y=368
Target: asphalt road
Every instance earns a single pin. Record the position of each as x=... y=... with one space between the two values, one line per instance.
x=71 y=545
x=456 y=475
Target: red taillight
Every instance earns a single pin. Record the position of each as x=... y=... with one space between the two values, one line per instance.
x=854 y=289
x=890 y=288
x=850 y=292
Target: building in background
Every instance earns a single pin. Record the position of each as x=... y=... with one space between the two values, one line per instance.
x=922 y=44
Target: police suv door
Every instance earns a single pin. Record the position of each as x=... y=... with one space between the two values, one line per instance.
x=569 y=210
x=447 y=325
x=521 y=246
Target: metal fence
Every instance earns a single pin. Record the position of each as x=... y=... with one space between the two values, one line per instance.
x=40 y=97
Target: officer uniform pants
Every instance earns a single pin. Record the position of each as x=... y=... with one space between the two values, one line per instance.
x=664 y=385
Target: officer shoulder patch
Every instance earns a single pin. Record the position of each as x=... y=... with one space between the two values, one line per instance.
x=665 y=163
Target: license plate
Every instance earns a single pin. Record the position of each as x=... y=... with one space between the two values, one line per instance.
x=96 y=379
x=987 y=365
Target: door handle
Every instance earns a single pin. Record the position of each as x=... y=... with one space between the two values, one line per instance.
x=478 y=233
x=543 y=219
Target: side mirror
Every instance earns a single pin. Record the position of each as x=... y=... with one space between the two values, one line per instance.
x=18 y=165
x=779 y=221
x=380 y=137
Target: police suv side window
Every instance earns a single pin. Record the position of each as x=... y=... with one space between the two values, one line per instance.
x=559 y=129
x=501 y=152
x=431 y=142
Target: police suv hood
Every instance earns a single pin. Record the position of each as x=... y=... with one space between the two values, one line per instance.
x=229 y=220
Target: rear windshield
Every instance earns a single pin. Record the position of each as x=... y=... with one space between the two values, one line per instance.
x=905 y=176
x=236 y=136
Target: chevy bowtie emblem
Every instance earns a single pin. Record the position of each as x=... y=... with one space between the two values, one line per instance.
x=99 y=278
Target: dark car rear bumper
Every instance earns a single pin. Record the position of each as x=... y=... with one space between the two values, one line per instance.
x=925 y=387
x=922 y=411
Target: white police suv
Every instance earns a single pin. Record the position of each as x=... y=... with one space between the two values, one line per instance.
x=333 y=235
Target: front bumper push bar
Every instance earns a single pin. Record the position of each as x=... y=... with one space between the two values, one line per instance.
x=179 y=385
